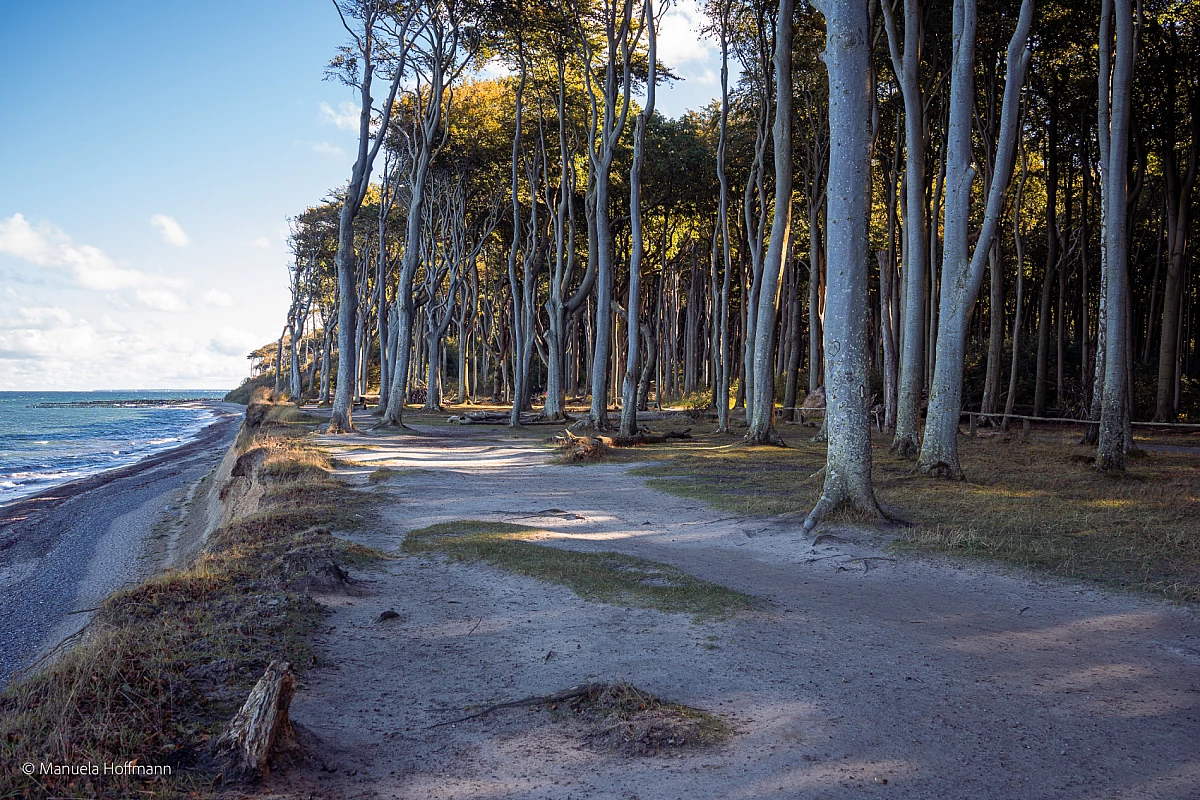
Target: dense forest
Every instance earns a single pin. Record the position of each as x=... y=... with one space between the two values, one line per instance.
x=906 y=209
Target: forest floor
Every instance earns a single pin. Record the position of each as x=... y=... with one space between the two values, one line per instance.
x=859 y=669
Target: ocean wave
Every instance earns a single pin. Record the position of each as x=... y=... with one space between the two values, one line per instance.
x=42 y=449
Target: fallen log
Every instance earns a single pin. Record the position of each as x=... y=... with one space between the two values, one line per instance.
x=259 y=727
x=646 y=436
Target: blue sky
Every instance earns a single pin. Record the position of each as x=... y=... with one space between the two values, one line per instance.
x=150 y=154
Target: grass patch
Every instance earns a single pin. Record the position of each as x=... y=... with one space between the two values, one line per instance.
x=384 y=474
x=604 y=577
x=166 y=662
x=622 y=717
x=1038 y=503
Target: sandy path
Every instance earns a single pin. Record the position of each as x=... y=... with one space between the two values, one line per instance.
x=890 y=678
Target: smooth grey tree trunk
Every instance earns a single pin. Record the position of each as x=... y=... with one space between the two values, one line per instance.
x=906 y=63
x=1114 y=410
x=608 y=117
x=721 y=308
x=1019 y=248
x=962 y=274
x=633 y=303
x=848 y=458
x=760 y=402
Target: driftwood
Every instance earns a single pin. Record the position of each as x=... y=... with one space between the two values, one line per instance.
x=646 y=436
x=581 y=448
x=260 y=725
x=591 y=448
x=581 y=690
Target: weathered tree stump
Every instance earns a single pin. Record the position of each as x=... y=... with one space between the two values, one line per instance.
x=259 y=726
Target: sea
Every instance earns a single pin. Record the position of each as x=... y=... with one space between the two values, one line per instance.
x=51 y=438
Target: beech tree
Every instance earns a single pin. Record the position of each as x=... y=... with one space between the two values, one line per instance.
x=848 y=459
x=962 y=274
x=367 y=21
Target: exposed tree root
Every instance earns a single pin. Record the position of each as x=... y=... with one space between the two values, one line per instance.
x=942 y=470
x=907 y=446
x=769 y=437
x=836 y=493
x=571 y=693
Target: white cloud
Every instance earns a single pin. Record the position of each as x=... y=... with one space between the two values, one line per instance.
x=234 y=342
x=494 y=68
x=679 y=38
x=325 y=148
x=48 y=347
x=261 y=242
x=160 y=299
x=90 y=267
x=171 y=232
x=217 y=299
x=346 y=116
x=44 y=333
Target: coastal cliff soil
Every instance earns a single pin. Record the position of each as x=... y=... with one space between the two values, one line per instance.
x=858 y=671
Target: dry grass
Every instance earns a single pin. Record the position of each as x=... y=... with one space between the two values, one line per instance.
x=605 y=577
x=581 y=449
x=166 y=662
x=1037 y=503
x=634 y=722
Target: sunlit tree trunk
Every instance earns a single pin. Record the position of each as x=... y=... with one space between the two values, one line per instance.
x=629 y=391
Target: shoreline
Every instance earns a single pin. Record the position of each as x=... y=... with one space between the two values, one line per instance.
x=12 y=511
x=65 y=549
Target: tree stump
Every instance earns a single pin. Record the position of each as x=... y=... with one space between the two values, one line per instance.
x=259 y=726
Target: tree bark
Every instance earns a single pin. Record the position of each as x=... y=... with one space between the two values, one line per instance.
x=963 y=274
x=1114 y=412
x=848 y=458
x=761 y=403
x=906 y=440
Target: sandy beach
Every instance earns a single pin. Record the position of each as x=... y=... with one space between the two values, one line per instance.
x=64 y=550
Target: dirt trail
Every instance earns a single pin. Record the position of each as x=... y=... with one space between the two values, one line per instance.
x=865 y=674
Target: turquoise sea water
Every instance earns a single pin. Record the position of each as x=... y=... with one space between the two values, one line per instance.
x=42 y=447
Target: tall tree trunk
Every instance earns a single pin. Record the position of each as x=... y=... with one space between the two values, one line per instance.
x=1114 y=412
x=1178 y=205
x=629 y=391
x=848 y=458
x=1043 y=351
x=995 y=353
x=906 y=441
x=1018 y=308
x=761 y=404
x=341 y=420
x=962 y=275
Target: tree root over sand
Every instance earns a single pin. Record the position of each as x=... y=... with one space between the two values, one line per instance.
x=556 y=697
x=624 y=718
